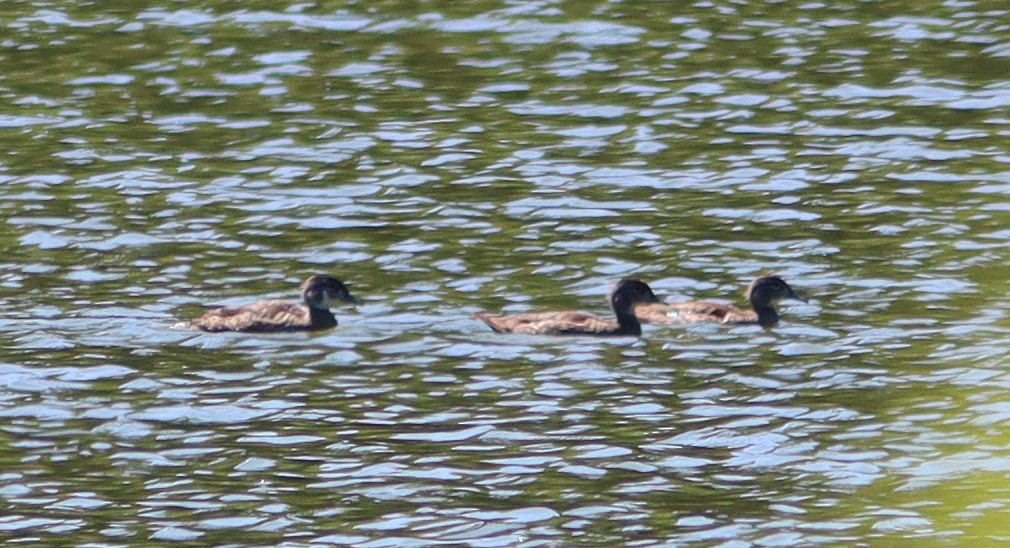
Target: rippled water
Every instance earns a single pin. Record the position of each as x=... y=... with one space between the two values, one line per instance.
x=448 y=158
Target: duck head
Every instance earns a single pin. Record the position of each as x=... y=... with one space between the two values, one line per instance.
x=628 y=292
x=320 y=290
x=763 y=291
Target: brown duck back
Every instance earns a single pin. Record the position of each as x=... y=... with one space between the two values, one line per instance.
x=563 y=322
x=265 y=316
x=694 y=312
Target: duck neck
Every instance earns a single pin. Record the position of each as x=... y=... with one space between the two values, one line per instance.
x=321 y=317
x=628 y=323
x=766 y=314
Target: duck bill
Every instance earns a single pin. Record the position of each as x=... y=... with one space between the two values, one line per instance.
x=793 y=294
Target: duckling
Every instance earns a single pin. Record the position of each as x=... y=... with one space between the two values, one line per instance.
x=625 y=294
x=317 y=292
x=761 y=293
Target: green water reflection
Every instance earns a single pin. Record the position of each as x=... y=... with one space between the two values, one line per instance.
x=446 y=158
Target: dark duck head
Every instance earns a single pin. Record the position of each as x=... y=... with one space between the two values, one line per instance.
x=320 y=291
x=762 y=294
x=627 y=293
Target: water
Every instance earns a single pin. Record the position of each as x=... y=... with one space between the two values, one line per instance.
x=450 y=158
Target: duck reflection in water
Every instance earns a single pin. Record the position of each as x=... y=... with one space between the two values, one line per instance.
x=762 y=294
x=625 y=294
x=318 y=291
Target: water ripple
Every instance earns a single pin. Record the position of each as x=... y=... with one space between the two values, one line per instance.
x=458 y=158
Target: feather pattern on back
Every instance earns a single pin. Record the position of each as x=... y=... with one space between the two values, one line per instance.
x=263 y=316
x=561 y=322
x=692 y=312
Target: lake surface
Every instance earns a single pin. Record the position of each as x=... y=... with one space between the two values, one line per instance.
x=445 y=158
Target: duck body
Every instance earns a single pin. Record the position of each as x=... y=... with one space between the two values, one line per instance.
x=559 y=322
x=625 y=294
x=695 y=312
x=266 y=316
x=762 y=293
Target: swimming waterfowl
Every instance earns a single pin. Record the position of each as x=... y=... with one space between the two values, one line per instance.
x=762 y=293
x=623 y=297
x=317 y=293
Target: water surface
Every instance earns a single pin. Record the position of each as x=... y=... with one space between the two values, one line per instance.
x=445 y=159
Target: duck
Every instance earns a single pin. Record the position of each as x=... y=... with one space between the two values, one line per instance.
x=314 y=313
x=625 y=294
x=762 y=294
